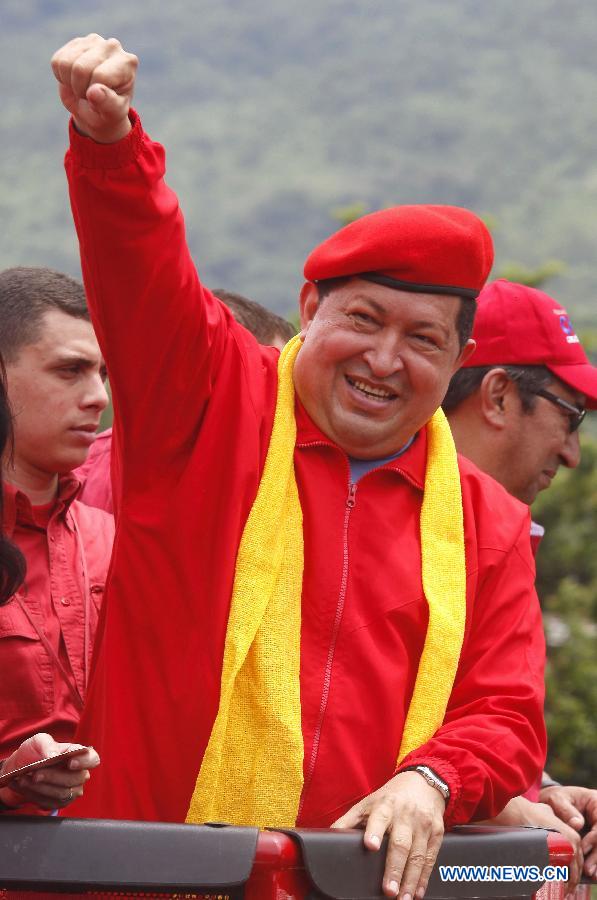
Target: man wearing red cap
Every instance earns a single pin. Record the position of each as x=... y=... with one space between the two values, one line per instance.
x=315 y=615
x=514 y=409
x=516 y=404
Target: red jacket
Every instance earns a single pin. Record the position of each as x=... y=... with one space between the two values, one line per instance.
x=67 y=549
x=194 y=397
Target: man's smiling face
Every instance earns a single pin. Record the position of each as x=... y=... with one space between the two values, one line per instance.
x=375 y=363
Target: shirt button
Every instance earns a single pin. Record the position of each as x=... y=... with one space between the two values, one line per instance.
x=65 y=601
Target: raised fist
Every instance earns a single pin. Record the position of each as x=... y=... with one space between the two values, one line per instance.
x=96 y=78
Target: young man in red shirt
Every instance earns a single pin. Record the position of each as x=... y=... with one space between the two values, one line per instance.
x=55 y=379
x=58 y=785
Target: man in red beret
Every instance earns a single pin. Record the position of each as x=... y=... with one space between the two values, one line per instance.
x=515 y=408
x=316 y=615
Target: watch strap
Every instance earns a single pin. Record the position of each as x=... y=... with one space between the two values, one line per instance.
x=433 y=779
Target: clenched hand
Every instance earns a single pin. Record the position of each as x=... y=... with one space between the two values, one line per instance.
x=96 y=78
x=520 y=811
x=577 y=806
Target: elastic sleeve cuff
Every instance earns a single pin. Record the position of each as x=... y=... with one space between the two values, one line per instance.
x=447 y=773
x=90 y=155
x=27 y=809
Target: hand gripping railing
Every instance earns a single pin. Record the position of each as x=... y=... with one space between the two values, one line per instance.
x=42 y=856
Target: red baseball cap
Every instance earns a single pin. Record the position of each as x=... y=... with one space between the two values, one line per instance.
x=430 y=249
x=520 y=326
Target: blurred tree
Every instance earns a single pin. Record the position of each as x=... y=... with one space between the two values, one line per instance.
x=108 y=414
x=532 y=277
x=344 y=215
x=567 y=587
x=491 y=221
x=588 y=337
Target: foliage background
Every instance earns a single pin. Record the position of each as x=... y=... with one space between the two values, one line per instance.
x=275 y=114
x=567 y=586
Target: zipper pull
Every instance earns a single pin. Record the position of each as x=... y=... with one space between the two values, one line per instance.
x=350 y=500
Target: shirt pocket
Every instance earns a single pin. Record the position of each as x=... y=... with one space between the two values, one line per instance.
x=26 y=671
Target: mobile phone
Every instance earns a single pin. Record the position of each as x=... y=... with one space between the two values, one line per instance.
x=55 y=760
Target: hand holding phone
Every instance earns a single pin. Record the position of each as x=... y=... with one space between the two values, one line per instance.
x=55 y=759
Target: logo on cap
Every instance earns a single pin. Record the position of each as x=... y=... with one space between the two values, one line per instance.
x=566 y=326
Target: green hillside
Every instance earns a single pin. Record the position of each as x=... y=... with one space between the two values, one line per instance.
x=273 y=116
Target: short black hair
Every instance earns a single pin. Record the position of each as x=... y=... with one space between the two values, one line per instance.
x=12 y=562
x=263 y=324
x=528 y=380
x=26 y=295
x=465 y=318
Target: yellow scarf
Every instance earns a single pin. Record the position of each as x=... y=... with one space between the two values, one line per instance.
x=252 y=771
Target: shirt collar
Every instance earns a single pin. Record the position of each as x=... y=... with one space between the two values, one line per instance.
x=18 y=507
x=411 y=464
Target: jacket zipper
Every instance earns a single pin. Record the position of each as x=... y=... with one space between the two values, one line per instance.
x=350 y=502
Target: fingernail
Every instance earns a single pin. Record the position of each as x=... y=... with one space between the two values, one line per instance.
x=592 y=870
x=375 y=841
x=74 y=764
x=406 y=897
x=393 y=887
x=420 y=893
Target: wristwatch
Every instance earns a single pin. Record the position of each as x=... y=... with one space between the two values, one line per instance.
x=434 y=780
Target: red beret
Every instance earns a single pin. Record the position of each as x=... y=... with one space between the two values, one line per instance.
x=430 y=249
x=518 y=325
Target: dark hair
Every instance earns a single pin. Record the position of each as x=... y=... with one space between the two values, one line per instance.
x=464 y=320
x=26 y=295
x=528 y=380
x=327 y=285
x=12 y=563
x=261 y=322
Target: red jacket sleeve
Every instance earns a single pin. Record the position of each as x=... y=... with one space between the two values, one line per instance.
x=492 y=742
x=161 y=331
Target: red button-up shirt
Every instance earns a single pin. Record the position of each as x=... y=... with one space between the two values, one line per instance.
x=47 y=628
x=94 y=474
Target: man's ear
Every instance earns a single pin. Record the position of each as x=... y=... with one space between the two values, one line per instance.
x=466 y=353
x=308 y=305
x=494 y=393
